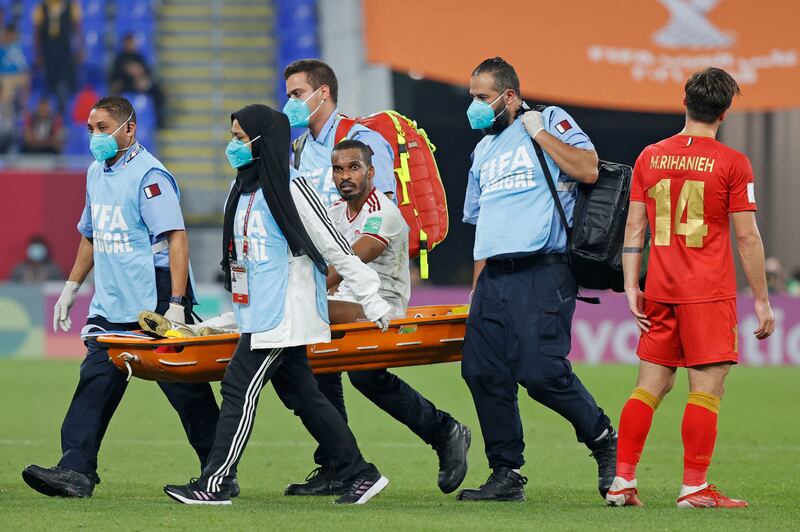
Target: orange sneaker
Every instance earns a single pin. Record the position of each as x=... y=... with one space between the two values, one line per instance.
x=623 y=493
x=709 y=497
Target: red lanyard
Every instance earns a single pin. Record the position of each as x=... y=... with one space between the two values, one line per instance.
x=244 y=228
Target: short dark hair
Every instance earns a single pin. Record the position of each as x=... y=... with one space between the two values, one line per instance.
x=709 y=93
x=118 y=107
x=505 y=77
x=350 y=144
x=319 y=74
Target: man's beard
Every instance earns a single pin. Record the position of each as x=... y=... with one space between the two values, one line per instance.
x=499 y=125
x=355 y=192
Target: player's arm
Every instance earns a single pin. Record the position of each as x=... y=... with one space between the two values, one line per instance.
x=632 y=261
x=367 y=248
x=751 y=250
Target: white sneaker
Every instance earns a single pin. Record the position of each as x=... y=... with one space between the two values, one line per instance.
x=623 y=493
x=160 y=326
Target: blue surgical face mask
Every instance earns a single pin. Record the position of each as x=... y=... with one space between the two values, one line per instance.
x=481 y=114
x=103 y=145
x=37 y=252
x=239 y=153
x=299 y=112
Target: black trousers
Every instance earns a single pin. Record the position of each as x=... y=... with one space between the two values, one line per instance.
x=288 y=369
x=519 y=332
x=100 y=390
x=392 y=395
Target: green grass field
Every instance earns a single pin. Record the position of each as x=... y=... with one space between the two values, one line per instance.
x=757 y=458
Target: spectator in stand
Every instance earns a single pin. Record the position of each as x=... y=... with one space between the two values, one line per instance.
x=8 y=126
x=793 y=285
x=775 y=280
x=131 y=73
x=58 y=44
x=37 y=266
x=14 y=73
x=43 y=131
x=84 y=101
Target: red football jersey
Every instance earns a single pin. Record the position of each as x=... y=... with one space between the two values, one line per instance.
x=690 y=185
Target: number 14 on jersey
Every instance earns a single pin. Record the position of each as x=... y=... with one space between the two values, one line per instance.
x=690 y=201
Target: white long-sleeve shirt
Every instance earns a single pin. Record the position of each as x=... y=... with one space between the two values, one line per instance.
x=301 y=324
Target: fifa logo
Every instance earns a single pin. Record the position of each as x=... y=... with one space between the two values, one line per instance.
x=689 y=27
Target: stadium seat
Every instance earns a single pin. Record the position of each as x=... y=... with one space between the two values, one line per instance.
x=138 y=18
x=145 y=119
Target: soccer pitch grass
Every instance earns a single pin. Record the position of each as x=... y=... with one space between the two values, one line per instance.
x=757 y=458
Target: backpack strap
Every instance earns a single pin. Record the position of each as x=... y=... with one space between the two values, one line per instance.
x=559 y=207
x=343 y=129
x=297 y=148
x=551 y=183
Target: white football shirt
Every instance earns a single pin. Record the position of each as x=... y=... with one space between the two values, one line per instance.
x=380 y=219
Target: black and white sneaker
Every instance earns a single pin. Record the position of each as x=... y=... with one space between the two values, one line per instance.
x=193 y=493
x=364 y=487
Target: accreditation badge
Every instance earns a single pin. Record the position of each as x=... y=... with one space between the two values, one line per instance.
x=239 y=283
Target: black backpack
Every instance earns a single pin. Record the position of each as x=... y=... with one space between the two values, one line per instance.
x=594 y=243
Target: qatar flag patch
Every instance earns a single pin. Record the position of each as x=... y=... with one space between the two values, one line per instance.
x=151 y=191
x=563 y=126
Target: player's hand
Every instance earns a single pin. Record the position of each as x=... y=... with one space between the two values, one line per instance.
x=175 y=313
x=383 y=322
x=636 y=306
x=533 y=122
x=766 y=320
x=63 y=306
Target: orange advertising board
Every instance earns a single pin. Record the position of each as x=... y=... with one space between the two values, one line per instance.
x=624 y=54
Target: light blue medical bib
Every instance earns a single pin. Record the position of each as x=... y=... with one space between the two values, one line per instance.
x=124 y=273
x=267 y=264
x=516 y=207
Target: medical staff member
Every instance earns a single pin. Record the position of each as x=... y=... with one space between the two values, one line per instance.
x=518 y=330
x=132 y=234
x=276 y=241
x=313 y=92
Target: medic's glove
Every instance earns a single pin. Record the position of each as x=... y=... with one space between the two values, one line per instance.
x=63 y=306
x=377 y=311
x=533 y=122
x=383 y=322
x=175 y=313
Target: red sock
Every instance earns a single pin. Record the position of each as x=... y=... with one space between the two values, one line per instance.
x=634 y=425
x=699 y=431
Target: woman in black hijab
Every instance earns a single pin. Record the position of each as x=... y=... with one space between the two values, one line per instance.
x=269 y=171
x=281 y=309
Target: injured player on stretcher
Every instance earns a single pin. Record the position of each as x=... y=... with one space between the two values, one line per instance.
x=373 y=227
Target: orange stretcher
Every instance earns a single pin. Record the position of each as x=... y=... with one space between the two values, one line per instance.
x=428 y=335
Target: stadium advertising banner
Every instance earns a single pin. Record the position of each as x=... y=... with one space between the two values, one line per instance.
x=601 y=334
x=618 y=55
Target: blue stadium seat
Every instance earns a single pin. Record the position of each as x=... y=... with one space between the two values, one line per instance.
x=138 y=18
x=77 y=141
x=145 y=119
